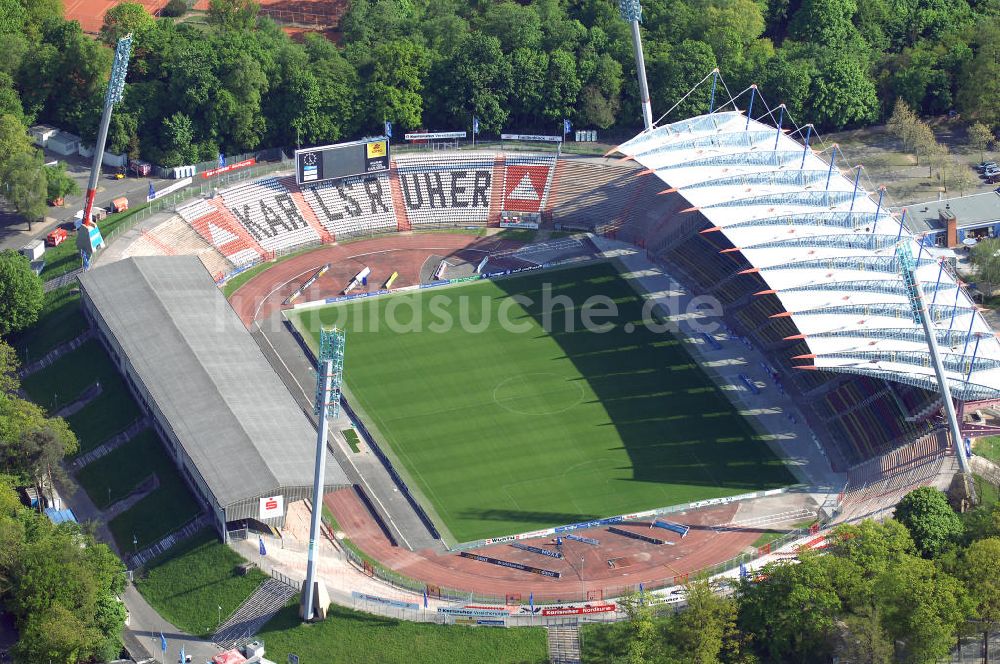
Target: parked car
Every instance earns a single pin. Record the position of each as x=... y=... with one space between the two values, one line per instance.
x=986 y=165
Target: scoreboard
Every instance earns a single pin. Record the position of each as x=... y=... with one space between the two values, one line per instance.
x=332 y=162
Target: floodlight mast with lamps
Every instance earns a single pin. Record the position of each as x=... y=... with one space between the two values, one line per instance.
x=329 y=375
x=631 y=11
x=116 y=86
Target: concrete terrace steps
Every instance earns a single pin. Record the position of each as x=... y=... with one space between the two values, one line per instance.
x=112 y=443
x=150 y=552
x=564 y=643
x=56 y=353
x=252 y=614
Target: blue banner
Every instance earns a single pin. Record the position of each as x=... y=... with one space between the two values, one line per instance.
x=535 y=549
x=385 y=601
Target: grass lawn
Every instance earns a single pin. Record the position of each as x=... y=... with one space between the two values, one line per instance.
x=986 y=491
x=359 y=638
x=188 y=583
x=59 y=321
x=64 y=381
x=161 y=512
x=111 y=412
x=125 y=469
x=351 y=436
x=988 y=447
x=509 y=430
x=66 y=258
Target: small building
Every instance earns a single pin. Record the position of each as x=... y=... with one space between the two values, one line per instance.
x=40 y=134
x=64 y=143
x=955 y=220
x=241 y=441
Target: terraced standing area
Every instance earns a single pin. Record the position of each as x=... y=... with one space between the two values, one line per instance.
x=506 y=419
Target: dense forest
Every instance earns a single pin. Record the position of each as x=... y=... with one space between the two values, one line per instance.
x=231 y=81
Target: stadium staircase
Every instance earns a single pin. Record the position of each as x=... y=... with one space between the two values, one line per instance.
x=402 y=221
x=111 y=444
x=150 y=552
x=239 y=628
x=56 y=353
x=499 y=182
x=564 y=643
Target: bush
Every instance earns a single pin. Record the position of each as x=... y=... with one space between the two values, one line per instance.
x=175 y=9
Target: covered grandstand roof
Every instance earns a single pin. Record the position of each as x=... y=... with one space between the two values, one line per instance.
x=827 y=249
x=231 y=413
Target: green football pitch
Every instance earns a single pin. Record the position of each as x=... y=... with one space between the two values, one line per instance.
x=506 y=420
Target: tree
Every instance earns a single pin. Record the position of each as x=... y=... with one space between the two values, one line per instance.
x=824 y=22
x=21 y=293
x=981 y=573
x=562 y=85
x=980 y=138
x=985 y=259
x=963 y=179
x=641 y=641
x=476 y=80
x=902 y=123
x=673 y=71
x=932 y=523
x=9 y=382
x=864 y=640
x=706 y=629
x=13 y=141
x=123 y=19
x=395 y=84
x=979 y=86
x=27 y=185
x=58 y=182
x=790 y=610
x=843 y=93
x=175 y=9
x=923 y=607
x=235 y=15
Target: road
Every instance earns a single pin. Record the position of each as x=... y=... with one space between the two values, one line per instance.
x=14 y=232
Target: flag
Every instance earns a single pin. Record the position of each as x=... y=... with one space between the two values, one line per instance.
x=567 y=126
x=388 y=129
x=531 y=601
x=222 y=160
x=642 y=594
x=743 y=571
x=263 y=551
x=364 y=281
x=183 y=658
x=152 y=192
x=163 y=643
x=425 y=598
x=475 y=125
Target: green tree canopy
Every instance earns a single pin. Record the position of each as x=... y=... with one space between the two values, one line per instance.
x=123 y=19
x=932 y=523
x=21 y=293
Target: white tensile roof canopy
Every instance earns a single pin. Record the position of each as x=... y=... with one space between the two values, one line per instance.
x=829 y=251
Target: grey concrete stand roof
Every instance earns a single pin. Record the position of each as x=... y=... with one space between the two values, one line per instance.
x=230 y=411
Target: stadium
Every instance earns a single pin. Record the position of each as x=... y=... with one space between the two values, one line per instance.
x=766 y=365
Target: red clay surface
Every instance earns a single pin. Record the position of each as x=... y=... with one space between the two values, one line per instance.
x=90 y=13
x=585 y=569
x=317 y=13
x=263 y=295
x=635 y=562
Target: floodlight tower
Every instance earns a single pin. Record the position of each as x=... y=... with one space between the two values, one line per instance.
x=631 y=11
x=87 y=241
x=329 y=375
